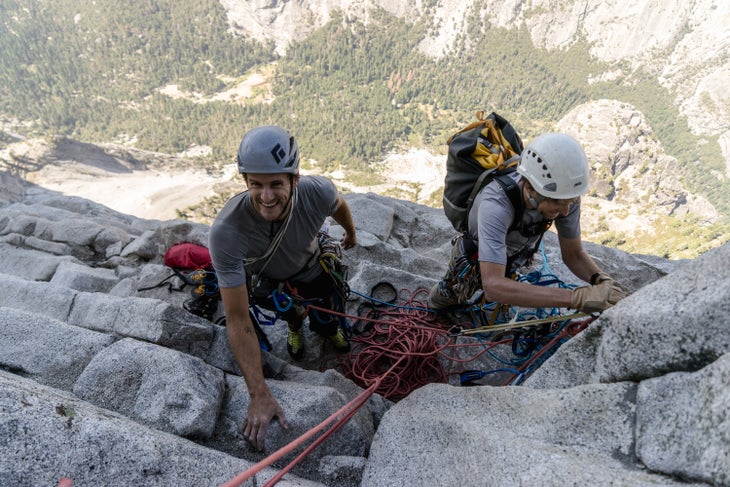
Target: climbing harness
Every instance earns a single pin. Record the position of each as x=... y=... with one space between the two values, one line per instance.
x=462 y=278
x=285 y=297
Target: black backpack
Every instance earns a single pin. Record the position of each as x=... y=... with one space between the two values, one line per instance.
x=480 y=152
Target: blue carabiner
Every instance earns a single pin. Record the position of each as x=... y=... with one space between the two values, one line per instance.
x=282 y=305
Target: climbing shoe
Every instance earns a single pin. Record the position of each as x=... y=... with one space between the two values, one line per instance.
x=295 y=344
x=340 y=342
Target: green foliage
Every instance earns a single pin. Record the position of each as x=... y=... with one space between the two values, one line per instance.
x=669 y=237
x=338 y=83
x=364 y=178
x=93 y=70
x=350 y=93
x=613 y=239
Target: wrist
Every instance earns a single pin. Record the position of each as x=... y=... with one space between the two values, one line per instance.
x=599 y=277
x=258 y=390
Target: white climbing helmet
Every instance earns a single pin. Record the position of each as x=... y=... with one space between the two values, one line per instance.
x=268 y=149
x=556 y=166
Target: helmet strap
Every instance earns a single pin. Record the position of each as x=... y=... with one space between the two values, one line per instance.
x=533 y=200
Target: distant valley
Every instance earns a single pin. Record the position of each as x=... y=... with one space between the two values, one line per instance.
x=143 y=109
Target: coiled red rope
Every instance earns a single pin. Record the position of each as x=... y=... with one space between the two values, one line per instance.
x=405 y=339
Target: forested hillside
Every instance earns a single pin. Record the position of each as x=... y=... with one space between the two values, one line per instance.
x=94 y=70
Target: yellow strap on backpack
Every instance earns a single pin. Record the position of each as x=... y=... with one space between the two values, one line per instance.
x=494 y=156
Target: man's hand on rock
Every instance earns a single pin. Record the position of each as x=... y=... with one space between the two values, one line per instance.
x=600 y=297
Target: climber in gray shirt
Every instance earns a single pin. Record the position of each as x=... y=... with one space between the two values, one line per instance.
x=267 y=236
x=506 y=224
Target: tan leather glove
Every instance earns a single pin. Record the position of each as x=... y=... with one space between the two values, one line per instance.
x=602 y=277
x=590 y=299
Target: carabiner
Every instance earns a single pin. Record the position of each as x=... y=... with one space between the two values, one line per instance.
x=282 y=301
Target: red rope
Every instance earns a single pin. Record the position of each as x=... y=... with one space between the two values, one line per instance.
x=406 y=335
x=348 y=410
x=319 y=440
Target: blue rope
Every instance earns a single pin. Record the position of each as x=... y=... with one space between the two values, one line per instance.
x=260 y=314
x=392 y=305
x=541 y=277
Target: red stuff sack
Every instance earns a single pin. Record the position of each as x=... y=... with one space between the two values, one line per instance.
x=188 y=256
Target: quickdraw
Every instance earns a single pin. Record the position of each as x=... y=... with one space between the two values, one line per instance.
x=330 y=259
x=282 y=301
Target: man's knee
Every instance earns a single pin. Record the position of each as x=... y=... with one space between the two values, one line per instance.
x=441 y=296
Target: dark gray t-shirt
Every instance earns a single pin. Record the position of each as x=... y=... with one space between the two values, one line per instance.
x=491 y=217
x=239 y=233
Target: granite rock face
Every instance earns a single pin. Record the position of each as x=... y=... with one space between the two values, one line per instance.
x=105 y=384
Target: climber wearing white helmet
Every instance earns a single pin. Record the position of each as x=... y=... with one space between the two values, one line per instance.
x=268 y=237
x=507 y=222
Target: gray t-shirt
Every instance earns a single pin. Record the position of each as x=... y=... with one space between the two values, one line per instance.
x=239 y=233
x=491 y=217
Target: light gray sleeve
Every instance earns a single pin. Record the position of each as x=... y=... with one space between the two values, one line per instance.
x=226 y=255
x=326 y=194
x=569 y=225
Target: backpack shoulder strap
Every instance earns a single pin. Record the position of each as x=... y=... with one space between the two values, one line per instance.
x=501 y=175
x=512 y=190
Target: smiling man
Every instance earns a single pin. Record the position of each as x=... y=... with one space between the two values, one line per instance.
x=264 y=238
x=506 y=224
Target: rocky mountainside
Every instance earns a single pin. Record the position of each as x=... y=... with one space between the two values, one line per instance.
x=636 y=189
x=104 y=384
x=685 y=45
x=636 y=194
